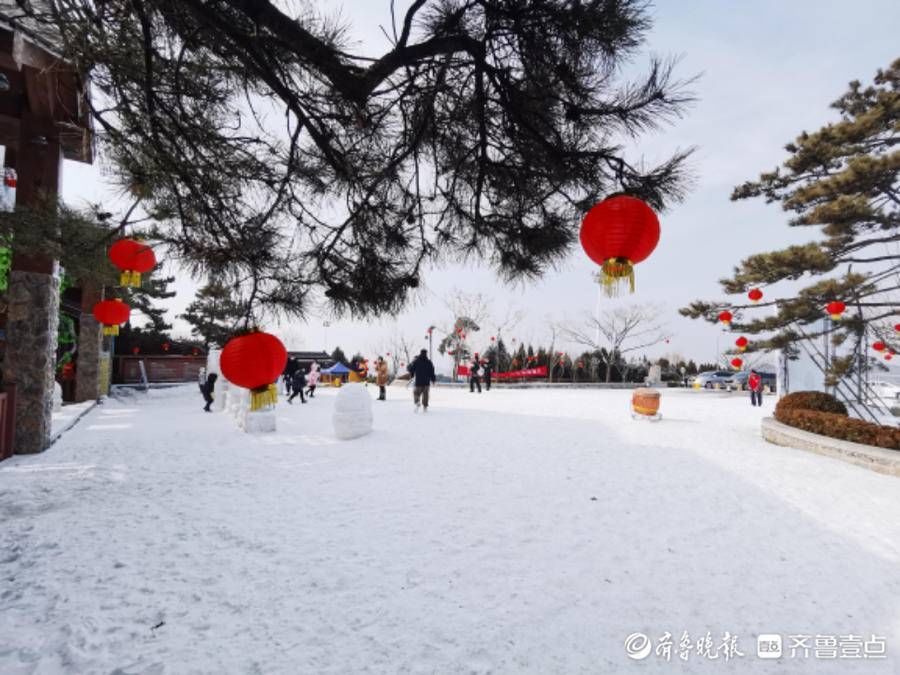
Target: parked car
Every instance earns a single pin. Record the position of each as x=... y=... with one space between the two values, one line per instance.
x=711 y=378
x=768 y=379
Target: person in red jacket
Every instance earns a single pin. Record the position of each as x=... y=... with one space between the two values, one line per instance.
x=754 y=382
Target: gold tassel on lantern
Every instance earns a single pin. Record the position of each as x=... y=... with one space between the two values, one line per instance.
x=111 y=330
x=129 y=278
x=263 y=397
x=615 y=272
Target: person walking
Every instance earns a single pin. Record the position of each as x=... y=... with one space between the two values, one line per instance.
x=488 y=371
x=298 y=383
x=381 y=378
x=312 y=379
x=422 y=371
x=207 y=390
x=474 y=379
x=754 y=382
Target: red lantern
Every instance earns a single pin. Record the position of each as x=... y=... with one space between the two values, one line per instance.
x=888 y=357
x=255 y=361
x=135 y=350
x=111 y=313
x=835 y=309
x=878 y=346
x=195 y=351
x=897 y=327
x=755 y=295
x=725 y=317
x=165 y=346
x=618 y=233
x=741 y=343
x=133 y=259
x=737 y=363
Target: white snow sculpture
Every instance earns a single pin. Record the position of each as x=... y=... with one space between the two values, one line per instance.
x=259 y=422
x=352 y=412
x=220 y=390
x=251 y=422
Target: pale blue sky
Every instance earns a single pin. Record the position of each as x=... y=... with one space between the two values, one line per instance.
x=768 y=70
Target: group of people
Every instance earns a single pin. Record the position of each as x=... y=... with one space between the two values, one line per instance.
x=478 y=369
x=297 y=381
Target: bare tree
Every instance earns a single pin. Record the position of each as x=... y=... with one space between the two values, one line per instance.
x=618 y=332
x=399 y=350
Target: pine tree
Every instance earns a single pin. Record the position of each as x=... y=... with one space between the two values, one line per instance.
x=338 y=356
x=215 y=314
x=154 y=331
x=484 y=129
x=842 y=180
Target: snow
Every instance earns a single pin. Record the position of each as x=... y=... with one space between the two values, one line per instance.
x=516 y=531
x=67 y=416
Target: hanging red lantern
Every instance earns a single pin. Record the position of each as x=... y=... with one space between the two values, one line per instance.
x=897 y=327
x=726 y=317
x=835 y=309
x=165 y=346
x=133 y=259
x=195 y=351
x=741 y=343
x=135 y=350
x=618 y=233
x=737 y=363
x=888 y=357
x=755 y=295
x=111 y=313
x=255 y=361
x=878 y=346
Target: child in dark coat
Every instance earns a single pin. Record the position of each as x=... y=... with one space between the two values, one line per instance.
x=298 y=383
x=207 y=390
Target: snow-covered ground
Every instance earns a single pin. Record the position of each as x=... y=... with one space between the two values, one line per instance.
x=527 y=531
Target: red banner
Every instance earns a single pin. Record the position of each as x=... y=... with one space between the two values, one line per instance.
x=541 y=371
x=463 y=371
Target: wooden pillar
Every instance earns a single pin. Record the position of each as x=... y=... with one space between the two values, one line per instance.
x=33 y=315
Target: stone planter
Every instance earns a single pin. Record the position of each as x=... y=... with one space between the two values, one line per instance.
x=866 y=456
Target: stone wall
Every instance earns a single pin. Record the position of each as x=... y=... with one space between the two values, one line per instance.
x=30 y=361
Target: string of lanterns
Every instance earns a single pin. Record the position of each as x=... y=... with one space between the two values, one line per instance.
x=132 y=259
